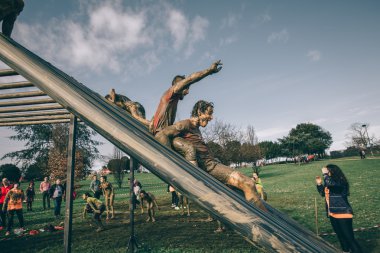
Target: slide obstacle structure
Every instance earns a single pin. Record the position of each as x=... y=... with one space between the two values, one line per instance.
x=272 y=230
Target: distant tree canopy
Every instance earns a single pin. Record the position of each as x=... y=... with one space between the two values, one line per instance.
x=118 y=166
x=306 y=138
x=46 y=147
x=33 y=172
x=10 y=171
x=270 y=149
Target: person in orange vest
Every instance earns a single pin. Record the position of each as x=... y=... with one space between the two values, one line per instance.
x=336 y=189
x=13 y=200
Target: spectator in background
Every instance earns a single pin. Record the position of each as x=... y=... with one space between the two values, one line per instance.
x=336 y=190
x=4 y=189
x=57 y=192
x=95 y=187
x=96 y=207
x=109 y=196
x=175 y=198
x=30 y=196
x=259 y=186
x=44 y=189
x=13 y=201
x=137 y=187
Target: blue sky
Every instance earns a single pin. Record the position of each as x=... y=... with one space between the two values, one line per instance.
x=285 y=62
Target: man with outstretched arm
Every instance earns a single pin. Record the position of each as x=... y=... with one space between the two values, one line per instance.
x=167 y=108
x=188 y=129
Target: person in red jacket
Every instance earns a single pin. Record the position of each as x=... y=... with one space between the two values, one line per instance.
x=4 y=189
x=13 y=200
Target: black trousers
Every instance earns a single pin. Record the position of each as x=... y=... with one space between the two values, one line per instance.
x=175 y=198
x=97 y=194
x=3 y=216
x=20 y=217
x=344 y=231
x=46 y=199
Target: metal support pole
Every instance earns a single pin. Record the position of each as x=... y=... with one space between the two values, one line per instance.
x=132 y=243
x=316 y=216
x=70 y=184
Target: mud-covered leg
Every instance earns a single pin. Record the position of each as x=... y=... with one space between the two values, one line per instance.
x=186 y=149
x=244 y=183
x=107 y=199
x=111 y=206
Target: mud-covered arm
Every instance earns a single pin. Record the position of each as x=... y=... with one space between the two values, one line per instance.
x=168 y=133
x=197 y=76
x=135 y=114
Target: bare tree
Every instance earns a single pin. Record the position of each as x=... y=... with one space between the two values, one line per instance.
x=250 y=135
x=221 y=133
x=358 y=136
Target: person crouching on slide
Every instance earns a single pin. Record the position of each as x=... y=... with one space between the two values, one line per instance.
x=150 y=203
x=95 y=206
x=188 y=129
x=109 y=196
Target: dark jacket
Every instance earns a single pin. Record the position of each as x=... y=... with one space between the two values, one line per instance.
x=52 y=190
x=337 y=197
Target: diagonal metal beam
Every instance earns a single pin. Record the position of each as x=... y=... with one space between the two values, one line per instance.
x=15 y=85
x=27 y=102
x=25 y=94
x=35 y=118
x=8 y=72
x=38 y=122
x=32 y=114
x=30 y=108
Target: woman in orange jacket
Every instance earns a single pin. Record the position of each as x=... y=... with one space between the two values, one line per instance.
x=336 y=189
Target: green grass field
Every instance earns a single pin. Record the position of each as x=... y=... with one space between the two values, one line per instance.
x=290 y=188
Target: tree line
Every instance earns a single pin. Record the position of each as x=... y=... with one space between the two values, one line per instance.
x=45 y=150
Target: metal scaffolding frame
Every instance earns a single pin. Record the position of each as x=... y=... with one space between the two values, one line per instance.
x=271 y=230
x=15 y=111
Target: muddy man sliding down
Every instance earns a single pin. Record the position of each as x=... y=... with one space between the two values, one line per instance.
x=134 y=108
x=189 y=131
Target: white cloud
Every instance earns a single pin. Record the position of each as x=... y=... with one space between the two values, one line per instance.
x=230 y=21
x=314 y=55
x=262 y=19
x=93 y=40
x=282 y=36
x=319 y=121
x=229 y=40
x=178 y=26
x=197 y=33
x=272 y=133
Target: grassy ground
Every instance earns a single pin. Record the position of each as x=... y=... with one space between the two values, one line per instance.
x=290 y=189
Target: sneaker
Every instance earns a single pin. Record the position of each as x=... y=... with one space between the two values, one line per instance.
x=7 y=233
x=176 y=208
x=173 y=205
x=99 y=229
